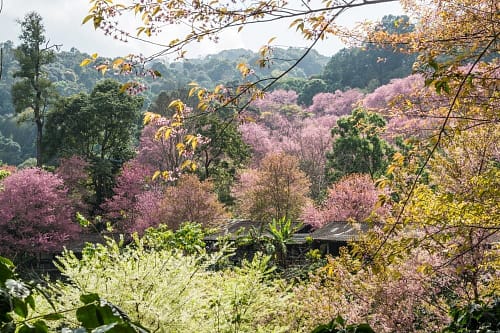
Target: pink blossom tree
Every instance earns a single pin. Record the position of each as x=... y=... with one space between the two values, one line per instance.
x=259 y=138
x=309 y=143
x=410 y=108
x=340 y=103
x=148 y=211
x=121 y=208
x=381 y=97
x=407 y=126
x=36 y=214
x=276 y=100
x=354 y=197
x=135 y=181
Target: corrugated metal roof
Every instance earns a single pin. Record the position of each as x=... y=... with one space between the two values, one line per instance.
x=333 y=231
x=339 y=231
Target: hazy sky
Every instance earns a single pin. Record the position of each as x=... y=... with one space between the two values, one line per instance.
x=62 y=20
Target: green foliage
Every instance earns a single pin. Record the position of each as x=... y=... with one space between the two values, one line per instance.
x=310 y=89
x=33 y=90
x=28 y=163
x=280 y=232
x=99 y=315
x=224 y=154
x=9 y=150
x=15 y=133
x=358 y=147
x=188 y=238
x=482 y=317
x=370 y=66
x=100 y=127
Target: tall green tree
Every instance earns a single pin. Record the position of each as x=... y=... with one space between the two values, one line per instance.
x=224 y=154
x=31 y=94
x=100 y=127
x=358 y=147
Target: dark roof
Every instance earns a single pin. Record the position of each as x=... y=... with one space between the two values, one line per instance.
x=333 y=231
x=299 y=238
x=235 y=229
x=339 y=231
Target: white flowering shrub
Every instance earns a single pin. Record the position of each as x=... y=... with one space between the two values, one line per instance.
x=167 y=291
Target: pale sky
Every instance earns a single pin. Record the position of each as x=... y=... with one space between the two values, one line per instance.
x=62 y=20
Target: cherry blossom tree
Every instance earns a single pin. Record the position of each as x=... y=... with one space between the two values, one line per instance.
x=340 y=103
x=276 y=101
x=309 y=143
x=259 y=138
x=148 y=212
x=353 y=197
x=130 y=184
x=381 y=97
x=36 y=214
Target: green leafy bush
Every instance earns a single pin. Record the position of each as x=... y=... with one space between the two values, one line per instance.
x=188 y=238
x=480 y=317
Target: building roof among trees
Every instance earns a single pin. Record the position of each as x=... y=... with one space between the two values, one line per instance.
x=235 y=229
x=339 y=231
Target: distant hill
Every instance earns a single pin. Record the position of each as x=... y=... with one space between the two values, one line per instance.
x=68 y=77
x=315 y=73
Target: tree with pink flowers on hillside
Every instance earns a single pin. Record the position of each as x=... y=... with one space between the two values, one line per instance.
x=36 y=214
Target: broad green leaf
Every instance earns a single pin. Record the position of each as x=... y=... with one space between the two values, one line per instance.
x=6 y=267
x=37 y=327
x=87 y=316
x=20 y=307
x=30 y=301
x=89 y=298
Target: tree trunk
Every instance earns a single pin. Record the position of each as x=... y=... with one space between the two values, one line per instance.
x=39 y=132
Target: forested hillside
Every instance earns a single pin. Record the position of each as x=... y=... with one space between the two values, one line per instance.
x=310 y=76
